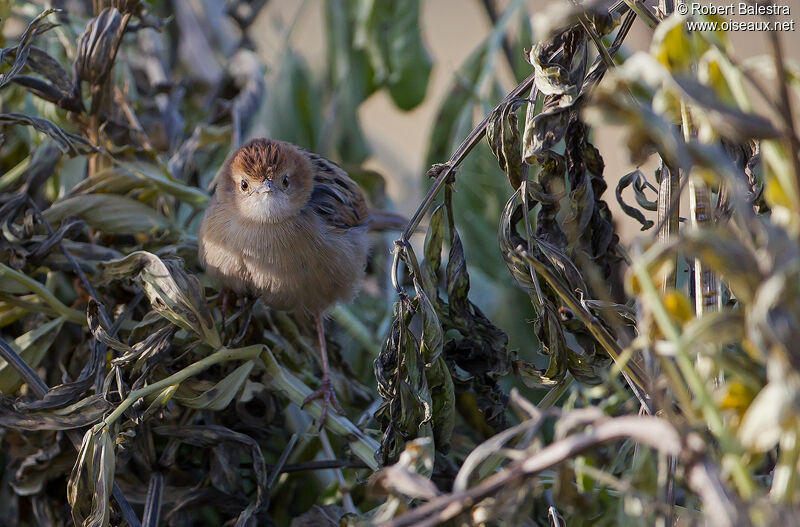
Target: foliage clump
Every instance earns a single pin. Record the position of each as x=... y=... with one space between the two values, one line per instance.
x=130 y=395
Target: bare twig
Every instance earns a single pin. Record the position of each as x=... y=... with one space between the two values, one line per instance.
x=654 y=432
x=637 y=378
x=40 y=389
x=792 y=141
x=347 y=499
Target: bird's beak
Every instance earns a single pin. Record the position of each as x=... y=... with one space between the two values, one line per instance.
x=266 y=186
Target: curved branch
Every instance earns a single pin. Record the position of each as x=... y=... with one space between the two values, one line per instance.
x=651 y=431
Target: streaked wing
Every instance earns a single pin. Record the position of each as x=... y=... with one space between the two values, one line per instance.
x=335 y=197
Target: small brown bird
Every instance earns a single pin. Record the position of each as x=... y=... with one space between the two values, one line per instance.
x=289 y=226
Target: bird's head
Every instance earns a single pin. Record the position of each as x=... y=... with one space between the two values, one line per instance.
x=266 y=181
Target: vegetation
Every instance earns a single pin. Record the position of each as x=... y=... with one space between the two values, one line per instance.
x=127 y=396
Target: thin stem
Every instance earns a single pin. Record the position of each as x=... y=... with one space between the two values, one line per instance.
x=643 y=12
x=529 y=237
x=250 y=352
x=42 y=292
x=786 y=110
x=669 y=214
x=458 y=156
x=326 y=464
x=741 y=476
x=355 y=327
x=654 y=432
x=362 y=446
x=554 y=394
x=637 y=378
x=36 y=385
x=344 y=488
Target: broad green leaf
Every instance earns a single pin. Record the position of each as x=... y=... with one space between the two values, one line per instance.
x=673 y=46
x=351 y=79
x=109 y=213
x=390 y=34
x=220 y=395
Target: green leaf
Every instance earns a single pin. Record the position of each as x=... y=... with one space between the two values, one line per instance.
x=433 y=254
x=502 y=134
x=296 y=112
x=109 y=213
x=352 y=80
x=161 y=179
x=85 y=412
x=444 y=403
x=220 y=395
x=92 y=478
x=432 y=335
x=390 y=34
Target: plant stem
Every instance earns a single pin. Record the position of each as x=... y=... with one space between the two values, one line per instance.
x=363 y=446
x=554 y=394
x=716 y=425
x=643 y=12
x=793 y=145
x=249 y=352
x=639 y=379
x=344 y=488
x=42 y=292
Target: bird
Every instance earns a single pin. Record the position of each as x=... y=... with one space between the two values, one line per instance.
x=290 y=227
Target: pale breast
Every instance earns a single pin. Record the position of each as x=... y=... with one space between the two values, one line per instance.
x=300 y=264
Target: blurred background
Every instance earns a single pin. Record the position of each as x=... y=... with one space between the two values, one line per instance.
x=452 y=30
x=476 y=51
x=391 y=87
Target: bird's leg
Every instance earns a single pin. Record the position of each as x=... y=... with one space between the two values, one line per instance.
x=224 y=302
x=247 y=310
x=325 y=391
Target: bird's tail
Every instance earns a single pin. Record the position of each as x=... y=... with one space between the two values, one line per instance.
x=383 y=220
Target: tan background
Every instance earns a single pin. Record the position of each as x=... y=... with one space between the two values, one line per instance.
x=452 y=29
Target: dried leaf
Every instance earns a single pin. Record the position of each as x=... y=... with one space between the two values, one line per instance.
x=176 y=295
x=109 y=213
x=68 y=143
x=36 y=27
x=635 y=178
x=31 y=347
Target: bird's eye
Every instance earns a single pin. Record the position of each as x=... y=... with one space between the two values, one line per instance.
x=244 y=185
x=285 y=181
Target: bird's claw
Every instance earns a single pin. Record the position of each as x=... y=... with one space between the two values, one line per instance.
x=328 y=396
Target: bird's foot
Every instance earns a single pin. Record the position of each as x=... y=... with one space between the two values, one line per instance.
x=328 y=396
